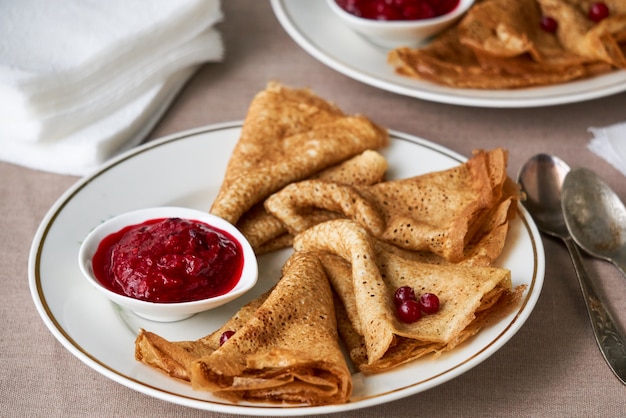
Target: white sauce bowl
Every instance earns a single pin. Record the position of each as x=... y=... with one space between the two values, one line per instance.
x=398 y=33
x=166 y=312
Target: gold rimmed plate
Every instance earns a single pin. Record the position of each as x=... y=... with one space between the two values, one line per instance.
x=186 y=169
x=343 y=50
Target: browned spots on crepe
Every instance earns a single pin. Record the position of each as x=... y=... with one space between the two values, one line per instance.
x=266 y=233
x=457 y=214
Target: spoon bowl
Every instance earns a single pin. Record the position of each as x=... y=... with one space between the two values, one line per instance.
x=541 y=178
x=595 y=216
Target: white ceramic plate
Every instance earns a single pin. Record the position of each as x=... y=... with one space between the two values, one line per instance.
x=313 y=26
x=186 y=169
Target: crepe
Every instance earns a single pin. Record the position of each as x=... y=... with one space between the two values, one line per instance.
x=285 y=347
x=510 y=28
x=288 y=135
x=578 y=34
x=174 y=358
x=499 y=45
x=266 y=233
x=288 y=351
x=365 y=277
x=456 y=214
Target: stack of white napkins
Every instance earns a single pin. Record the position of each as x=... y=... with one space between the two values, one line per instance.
x=609 y=142
x=82 y=80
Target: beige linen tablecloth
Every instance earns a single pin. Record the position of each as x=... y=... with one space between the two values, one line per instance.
x=551 y=368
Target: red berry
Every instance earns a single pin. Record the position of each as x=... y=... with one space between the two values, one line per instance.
x=226 y=336
x=548 y=24
x=429 y=303
x=411 y=12
x=409 y=311
x=598 y=11
x=403 y=293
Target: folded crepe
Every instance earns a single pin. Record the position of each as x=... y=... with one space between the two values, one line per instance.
x=266 y=233
x=175 y=358
x=288 y=135
x=285 y=346
x=510 y=28
x=458 y=214
x=365 y=277
x=499 y=44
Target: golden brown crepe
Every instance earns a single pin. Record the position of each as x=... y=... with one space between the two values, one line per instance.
x=175 y=358
x=365 y=278
x=285 y=347
x=288 y=351
x=266 y=233
x=509 y=28
x=288 y=135
x=580 y=35
x=499 y=44
x=457 y=214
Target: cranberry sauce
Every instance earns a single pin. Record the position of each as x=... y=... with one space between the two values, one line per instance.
x=398 y=9
x=169 y=260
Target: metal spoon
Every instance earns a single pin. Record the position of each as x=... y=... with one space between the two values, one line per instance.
x=595 y=216
x=541 y=178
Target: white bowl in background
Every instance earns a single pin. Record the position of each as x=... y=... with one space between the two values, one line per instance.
x=399 y=33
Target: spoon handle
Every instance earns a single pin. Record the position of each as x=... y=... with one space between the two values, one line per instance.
x=620 y=263
x=610 y=340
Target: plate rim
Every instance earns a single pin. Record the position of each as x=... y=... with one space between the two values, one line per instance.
x=63 y=336
x=281 y=11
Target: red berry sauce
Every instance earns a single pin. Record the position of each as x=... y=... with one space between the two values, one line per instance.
x=398 y=9
x=169 y=260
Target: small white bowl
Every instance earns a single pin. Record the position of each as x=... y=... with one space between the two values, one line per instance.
x=399 y=33
x=166 y=312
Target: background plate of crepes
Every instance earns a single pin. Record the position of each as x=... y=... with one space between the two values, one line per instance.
x=350 y=54
x=186 y=169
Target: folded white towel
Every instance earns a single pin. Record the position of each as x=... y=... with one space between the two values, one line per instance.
x=81 y=80
x=100 y=100
x=85 y=150
x=609 y=142
x=57 y=52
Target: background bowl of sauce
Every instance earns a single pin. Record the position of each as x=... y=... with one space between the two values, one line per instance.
x=168 y=263
x=408 y=23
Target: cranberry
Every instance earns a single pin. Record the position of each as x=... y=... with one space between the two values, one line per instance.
x=548 y=24
x=409 y=311
x=402 y=294
x=429 y=303
x=598 y=11
x=226 y=336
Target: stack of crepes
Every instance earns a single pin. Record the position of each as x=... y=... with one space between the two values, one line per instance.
x=83 y=80
x=499 y=44
x=306 y=175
